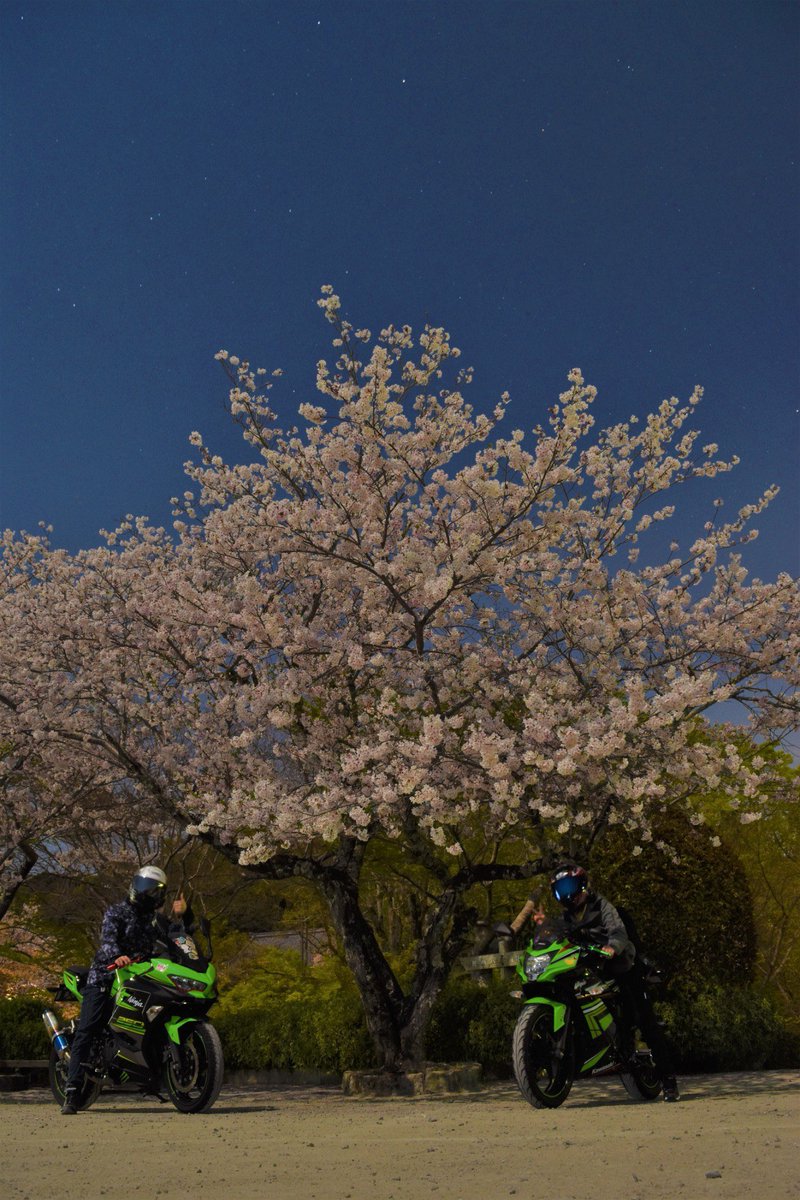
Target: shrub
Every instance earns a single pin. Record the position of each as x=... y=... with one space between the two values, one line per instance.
x=785 y=1052
x=327 y=1036
x=718 y=1028
x=286 y=1016
x=724 y=1029
x=695 y=917
x=473 y=1022
x=22 y=1033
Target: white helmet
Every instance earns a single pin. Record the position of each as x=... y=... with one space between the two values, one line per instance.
x=148 y=888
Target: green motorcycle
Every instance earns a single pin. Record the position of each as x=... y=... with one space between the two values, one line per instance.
x=157 y=1036
x=572 y=1025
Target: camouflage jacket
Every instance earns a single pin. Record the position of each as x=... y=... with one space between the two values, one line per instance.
x=126 y=930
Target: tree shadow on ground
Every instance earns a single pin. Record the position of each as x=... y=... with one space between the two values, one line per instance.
x=599 y=1093
x=591 y=1093
x=117 y=1110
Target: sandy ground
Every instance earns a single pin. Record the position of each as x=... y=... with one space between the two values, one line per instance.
x=731 y=1137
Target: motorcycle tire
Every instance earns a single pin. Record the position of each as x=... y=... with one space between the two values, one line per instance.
x=195 y=1086
x=57 y=1070
x=543 y=1074
x=639 y=1077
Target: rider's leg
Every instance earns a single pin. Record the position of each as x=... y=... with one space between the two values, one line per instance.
x=94 y=1013
x=635 y=997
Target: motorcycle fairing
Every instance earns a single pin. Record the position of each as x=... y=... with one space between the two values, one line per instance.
x=558 y=1007
x=72 y=984
x=598 y=1022
x=174 y=1026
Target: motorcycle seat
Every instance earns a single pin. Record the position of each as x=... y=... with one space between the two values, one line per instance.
x=81 y=974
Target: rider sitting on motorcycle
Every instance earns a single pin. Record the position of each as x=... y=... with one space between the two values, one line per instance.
x=130 y=930
x=589 y=917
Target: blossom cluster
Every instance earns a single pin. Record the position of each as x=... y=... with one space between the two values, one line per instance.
x=398 y=618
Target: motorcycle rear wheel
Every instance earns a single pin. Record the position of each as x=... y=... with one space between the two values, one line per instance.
x=639 y=1077
x=195 y=1087
x=543 y=1074
x=57 y=1070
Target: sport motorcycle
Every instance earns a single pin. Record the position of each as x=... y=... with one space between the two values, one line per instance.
x=573 y=1024
x=157 y=1037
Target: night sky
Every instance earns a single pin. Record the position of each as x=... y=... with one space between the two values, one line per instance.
x=606 y=185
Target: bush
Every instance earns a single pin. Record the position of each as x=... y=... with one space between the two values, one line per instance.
x=473 y=1022
x=694 y=917
x=785 y=1053
x=286 y=1016
x=717 y=1028
x=290 y=1035
x=725 y=1029
x=22 y=1033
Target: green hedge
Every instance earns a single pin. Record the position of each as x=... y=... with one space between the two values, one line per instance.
x=287 y=1016
x=22 y=1032
x=715 y=1029
x=288 y=1035
x=727 y=1029
x=291 y=1017
x=472 y=1022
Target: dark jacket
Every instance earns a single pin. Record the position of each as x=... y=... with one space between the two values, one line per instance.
x=126 y=929
x=600 y=924
x=170 y=926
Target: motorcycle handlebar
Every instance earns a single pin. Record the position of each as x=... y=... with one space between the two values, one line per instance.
x=590 y=948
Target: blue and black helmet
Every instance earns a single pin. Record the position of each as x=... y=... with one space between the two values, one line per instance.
x=569 y=885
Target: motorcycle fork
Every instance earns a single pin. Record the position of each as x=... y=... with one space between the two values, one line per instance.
x=173 y=1053
x=562 y=1041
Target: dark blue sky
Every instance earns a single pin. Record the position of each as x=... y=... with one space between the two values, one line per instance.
x=609 y=185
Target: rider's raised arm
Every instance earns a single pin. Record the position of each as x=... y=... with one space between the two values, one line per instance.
x=529 y=909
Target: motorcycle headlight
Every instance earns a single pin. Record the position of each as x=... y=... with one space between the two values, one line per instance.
x=187 y=985
x=535 y=964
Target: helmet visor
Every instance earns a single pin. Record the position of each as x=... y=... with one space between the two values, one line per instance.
x=150 y=892
x=567 y=888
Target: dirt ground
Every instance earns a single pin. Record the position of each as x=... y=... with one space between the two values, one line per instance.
x=731 y=1137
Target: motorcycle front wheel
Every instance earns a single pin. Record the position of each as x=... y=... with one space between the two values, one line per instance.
x=57 y=1070
x=194 y=1085
x=639 y=1077
x=543 y=1068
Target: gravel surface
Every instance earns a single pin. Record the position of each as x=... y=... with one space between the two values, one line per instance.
x=731 y=1137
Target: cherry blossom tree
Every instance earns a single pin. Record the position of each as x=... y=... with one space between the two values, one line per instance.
x=401 y=623
x=61 y=810
x=34 y=808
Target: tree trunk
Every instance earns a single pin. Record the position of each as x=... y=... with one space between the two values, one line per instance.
x=397 y=1022
x=381 y=994
x=10 y=890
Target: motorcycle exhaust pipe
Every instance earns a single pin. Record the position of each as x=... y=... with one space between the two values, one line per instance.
x=59 y=1039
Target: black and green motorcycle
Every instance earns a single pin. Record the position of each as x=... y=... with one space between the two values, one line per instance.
x=572 y=1025
x=157 y=1037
